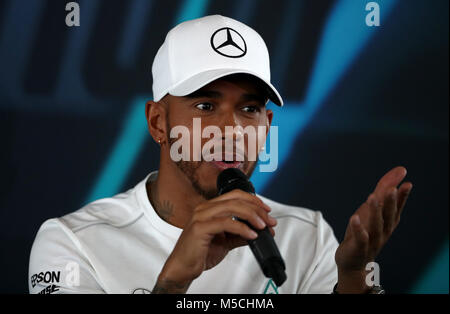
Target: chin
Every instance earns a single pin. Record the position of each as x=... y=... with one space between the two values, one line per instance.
x=208 y=172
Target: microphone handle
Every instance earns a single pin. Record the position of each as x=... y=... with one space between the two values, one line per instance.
x=263 y=247
x=267 y=254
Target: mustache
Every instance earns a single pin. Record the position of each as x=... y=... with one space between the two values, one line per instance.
x=223 y=151
x=234 y=153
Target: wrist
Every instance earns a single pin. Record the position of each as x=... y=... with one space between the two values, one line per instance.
x=166 y=285
x=352 y=282
x=172 y=279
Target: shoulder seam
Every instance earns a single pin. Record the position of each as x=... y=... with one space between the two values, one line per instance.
x=74 y=230
x=293 y=216
x=74 y=239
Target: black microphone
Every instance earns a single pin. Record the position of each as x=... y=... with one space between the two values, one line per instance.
x=263 y=247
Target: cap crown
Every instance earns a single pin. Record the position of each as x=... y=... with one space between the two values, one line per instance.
x=208 y=43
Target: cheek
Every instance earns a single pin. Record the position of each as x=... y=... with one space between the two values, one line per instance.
x=192 y=139
x=257 y=142
x=262 y=135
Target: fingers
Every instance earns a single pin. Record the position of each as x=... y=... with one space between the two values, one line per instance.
x=376 y=222
x=403 y=193
x=237 y=241
x=224 y=224
x=393 y=199
x=359 y=233
x=393 y=203
x=384 y=214
x=391 y=179
x=390 y=211
x=248 y=211
x=239 y=194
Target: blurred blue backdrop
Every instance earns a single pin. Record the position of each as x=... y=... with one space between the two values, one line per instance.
x=359 y=101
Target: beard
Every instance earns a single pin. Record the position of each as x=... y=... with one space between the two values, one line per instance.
x=189 y=168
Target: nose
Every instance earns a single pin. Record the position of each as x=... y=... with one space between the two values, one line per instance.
x=229 y=124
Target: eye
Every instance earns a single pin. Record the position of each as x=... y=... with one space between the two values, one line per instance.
x=204 y=106
x=251 y=109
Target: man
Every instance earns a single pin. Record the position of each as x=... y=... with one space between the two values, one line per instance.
x=171 y=233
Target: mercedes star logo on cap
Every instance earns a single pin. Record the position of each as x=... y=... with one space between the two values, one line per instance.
x=228 y=43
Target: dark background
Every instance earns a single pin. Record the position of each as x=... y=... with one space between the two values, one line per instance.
x=359 y=101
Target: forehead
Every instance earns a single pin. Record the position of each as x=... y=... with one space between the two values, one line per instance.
x=244 y=83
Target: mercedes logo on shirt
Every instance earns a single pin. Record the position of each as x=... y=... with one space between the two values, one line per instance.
x=228 y=43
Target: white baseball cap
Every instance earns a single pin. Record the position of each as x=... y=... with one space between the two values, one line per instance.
x=199 y=51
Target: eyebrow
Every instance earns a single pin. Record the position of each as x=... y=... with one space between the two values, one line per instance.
x=217 y=94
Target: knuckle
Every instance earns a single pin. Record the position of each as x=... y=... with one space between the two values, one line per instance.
x=236 y=226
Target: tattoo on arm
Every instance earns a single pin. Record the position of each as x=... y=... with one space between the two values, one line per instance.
x=169 y=286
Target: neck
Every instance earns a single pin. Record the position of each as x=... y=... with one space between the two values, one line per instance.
x=174 y=200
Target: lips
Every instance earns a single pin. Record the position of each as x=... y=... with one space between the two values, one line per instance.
x=222 y=165
x=226 y=160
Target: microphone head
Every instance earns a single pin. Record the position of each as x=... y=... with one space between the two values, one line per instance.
x=232 y=178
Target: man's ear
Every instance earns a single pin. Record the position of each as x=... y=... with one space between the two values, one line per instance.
x=269 y=114
x=155 y=113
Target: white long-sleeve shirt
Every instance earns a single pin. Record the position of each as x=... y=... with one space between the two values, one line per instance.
x=120 y=244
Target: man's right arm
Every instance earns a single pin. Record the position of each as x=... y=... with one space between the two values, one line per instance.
x=208 y=237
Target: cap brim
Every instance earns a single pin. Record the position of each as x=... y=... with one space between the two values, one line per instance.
x=199 y=80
